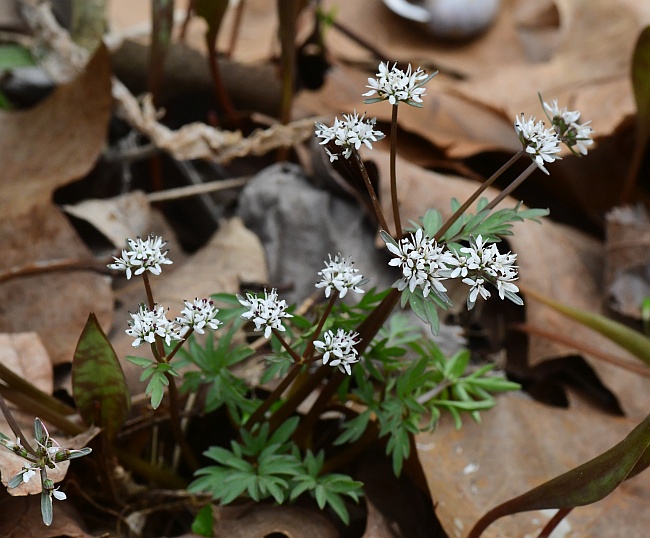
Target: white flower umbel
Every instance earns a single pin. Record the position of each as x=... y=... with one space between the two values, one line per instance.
x=140 y=256
x=479 y=264
x=339 y=274
x=266 y=313
x=146 y=324
x=339 y=349
x=199 y=315
x=573 y=134
x=423 y=262
x=348 y=133
x=397 y=86
x=540 y=143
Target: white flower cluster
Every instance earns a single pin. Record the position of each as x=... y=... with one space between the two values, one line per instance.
x=146 y=324
x=339 y=274
x=397 y=86
x=348 y=133
x=198 y=315
x=141 y=256
x=540 y=143
x=479 y=264
x=339 y=349
x=425 y=264
x=422 y=261
x=266 y=313
x=567 y=127
x=46 y=455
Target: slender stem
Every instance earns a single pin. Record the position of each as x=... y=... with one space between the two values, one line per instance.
x=179 y=344
x=296 y=358
x=239 y=11
x=175 y=422
x=505 y=192
x=41 y=409
x=309 y=350
x=309 y=421
x=393 y=173
x=424 y=398
x=554 y=522
x=450 y=221
x=14 y=381
x=371 y=191
x=147 y=288
x=274 y=396
x=15 y=428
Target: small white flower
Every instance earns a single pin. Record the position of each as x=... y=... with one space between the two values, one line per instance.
x=568 y=130
x=146 y=324
x=58 y=495
x=339 y=274
x=347 y=134
x=199 y=315
x=339 y=349
x=540 y=143
x=265 y=313
x=141 y=256
x=423 y=263
x=395 y=85
x=28 y=473
x=484 y=263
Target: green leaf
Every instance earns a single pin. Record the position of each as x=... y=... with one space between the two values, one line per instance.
x=203 y=522
x=635 y=342
x=213 y=12
x=586 y=484
x=12 y=56
x=98 y=385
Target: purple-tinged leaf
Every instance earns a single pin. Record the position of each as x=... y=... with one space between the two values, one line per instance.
x=98 y=385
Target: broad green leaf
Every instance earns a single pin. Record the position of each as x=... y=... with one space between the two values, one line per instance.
x=586 y=484
x=98 y=385
x=635 y=342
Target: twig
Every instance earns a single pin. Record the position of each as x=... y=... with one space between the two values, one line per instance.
x=51 y=266
x=194 y=190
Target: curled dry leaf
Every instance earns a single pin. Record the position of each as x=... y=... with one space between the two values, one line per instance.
x=44 y=148
x=127 y=215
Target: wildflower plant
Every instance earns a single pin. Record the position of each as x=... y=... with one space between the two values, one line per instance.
x=46 y=455
x=339 y=351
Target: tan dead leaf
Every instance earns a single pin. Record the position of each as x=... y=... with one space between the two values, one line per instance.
x=519 y=445
x=233 y=255
x=554 y=260
x=401 y=40
x=128 y=215
x=628 y=257
x=21 y=518
x=289 y=521
x=25 y=355
x=44 y=148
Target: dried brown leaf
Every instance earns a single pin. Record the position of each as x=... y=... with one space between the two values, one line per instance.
x=519 y=445
x=44 y=148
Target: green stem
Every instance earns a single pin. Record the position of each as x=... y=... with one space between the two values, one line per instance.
x=459 y=212
x=160 y=476
x=393 y=173
x=13 y=424
x=371 y=191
